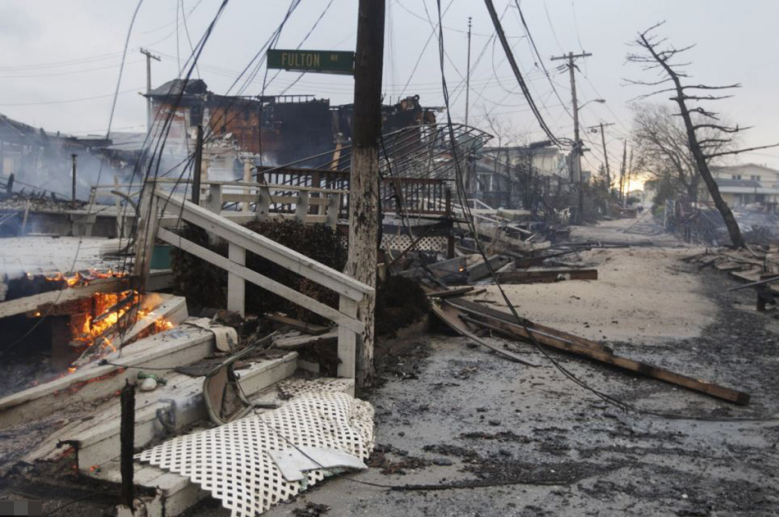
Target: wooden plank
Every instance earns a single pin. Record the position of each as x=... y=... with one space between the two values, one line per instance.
x=547 y=276
x=236 y=286
x=301 y=207
x=274 y=252
x=451 y=317
x=333 y=208
x=755 y=284
x=33 y=302
x=481 y=270
x=147 y=227
x=698 y=385
x=299 y=342
x=262 y=281
x=304 y=327
x=214 y=202
x=450 y=293
x=347 y=341
x=175 y=347
x=478 y=310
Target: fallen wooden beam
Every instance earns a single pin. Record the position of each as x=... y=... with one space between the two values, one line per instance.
x=293 y=343
x=705 y=387
x=33 y=302
x=451 y=317
x=481 y=269
x=755 y=284
x=539 y=260
x=294 y=323
x=451 y=293
x=546 y=276
x=542 y=333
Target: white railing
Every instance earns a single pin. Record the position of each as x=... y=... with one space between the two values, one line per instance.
x=156 y=202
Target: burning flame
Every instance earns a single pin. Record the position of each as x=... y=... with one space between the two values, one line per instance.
x=112 y=312
x=80 y=278
x=98 y=323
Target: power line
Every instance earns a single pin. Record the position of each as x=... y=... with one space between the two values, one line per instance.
x=517 y=73
x=451 y=29
x=538 y=55
x=65 y=73
x=82 y=99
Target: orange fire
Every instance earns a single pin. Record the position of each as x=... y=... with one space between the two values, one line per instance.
x=80 y=278
x=110 y=315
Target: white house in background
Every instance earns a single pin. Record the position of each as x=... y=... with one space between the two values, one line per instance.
x=745 y=184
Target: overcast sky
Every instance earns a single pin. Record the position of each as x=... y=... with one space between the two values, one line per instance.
x=61 y=59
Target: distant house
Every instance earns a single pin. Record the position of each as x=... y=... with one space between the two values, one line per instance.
x=745 y=184
x=514 y=176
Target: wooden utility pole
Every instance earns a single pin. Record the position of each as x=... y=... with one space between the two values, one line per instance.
x=605 y=153
x=73 y=172
x=149 y=57
x=576 y=160
x=468 y=74
x=127 y=444
x=198 y=169
x=629 y=172
x=468 y=165
x=364 y=213
x=622 y=173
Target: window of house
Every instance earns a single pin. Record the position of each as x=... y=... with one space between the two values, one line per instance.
x=755 y=177
x=736 y=176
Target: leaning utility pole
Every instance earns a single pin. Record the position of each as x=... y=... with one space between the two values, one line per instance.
x=605 y=153
x=364 y=215
x=149 y=57
x=577 y=143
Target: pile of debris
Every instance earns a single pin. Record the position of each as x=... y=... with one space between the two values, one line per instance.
x=757 y=266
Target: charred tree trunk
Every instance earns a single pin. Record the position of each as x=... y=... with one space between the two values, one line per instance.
x=662 y=57
x=703 y=168
x=364 y=212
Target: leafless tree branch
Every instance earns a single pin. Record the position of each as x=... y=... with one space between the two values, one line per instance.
x=737 y=151
x=724 y=129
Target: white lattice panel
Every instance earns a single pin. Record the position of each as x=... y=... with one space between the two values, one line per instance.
x=403 y=241
x=232 y=462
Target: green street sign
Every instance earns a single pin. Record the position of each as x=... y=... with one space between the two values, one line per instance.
x=322 y=61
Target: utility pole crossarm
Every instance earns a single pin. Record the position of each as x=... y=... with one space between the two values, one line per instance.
x=571 y=55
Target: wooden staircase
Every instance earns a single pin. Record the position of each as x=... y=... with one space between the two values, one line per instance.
x=170 y=410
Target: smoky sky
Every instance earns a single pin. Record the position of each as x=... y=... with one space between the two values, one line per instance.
x=62 y=59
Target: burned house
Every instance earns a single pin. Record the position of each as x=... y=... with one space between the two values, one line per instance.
x=281 y=129
x=41 y=161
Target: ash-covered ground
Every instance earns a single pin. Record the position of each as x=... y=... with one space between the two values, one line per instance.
x=500 y=438
x=450 y=414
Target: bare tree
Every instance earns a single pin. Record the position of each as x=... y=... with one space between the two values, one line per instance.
x=662 y=147
x=656 y=54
